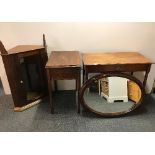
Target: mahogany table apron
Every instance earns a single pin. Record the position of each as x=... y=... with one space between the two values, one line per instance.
x=64 y=65
x=115 y=62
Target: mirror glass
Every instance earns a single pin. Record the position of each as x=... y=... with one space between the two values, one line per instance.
x=112 y=94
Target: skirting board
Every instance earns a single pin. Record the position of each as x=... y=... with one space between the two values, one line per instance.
x=20 y=109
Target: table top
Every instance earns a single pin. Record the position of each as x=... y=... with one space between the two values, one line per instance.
x=24 y=48
x=61 y=59
x=114 y=58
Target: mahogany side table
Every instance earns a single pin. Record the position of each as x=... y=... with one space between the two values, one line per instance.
x=116 y=62
x=64 y=65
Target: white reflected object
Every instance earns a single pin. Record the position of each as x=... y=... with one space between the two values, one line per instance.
x=114 y=89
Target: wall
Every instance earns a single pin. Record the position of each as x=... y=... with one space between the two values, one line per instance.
x=83 y=37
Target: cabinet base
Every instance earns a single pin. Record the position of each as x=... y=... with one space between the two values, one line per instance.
x=20 y=109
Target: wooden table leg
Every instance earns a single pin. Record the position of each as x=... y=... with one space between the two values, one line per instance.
x=85 y=77
x=146 y=75
x=78 y=86
x=50 y=89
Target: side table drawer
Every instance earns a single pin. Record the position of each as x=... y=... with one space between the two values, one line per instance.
x=65 y=73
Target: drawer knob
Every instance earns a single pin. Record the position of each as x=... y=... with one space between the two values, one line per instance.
x=21 y=81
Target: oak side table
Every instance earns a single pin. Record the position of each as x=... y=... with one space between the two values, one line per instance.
x=115 y=62
x=64 y=65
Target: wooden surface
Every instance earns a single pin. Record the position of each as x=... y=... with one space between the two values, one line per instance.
x=114 y=58
x=60 y=59
x=24 y=48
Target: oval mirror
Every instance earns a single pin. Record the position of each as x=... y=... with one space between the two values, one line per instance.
x=111 y=94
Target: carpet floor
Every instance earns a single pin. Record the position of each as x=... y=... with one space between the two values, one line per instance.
x=66 y=119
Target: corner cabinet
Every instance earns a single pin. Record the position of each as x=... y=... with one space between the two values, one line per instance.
x=25 y=69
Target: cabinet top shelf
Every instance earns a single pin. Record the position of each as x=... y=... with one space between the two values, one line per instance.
x=24 y=48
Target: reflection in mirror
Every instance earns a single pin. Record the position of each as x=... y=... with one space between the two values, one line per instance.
x=112 y=94
x=31 y=77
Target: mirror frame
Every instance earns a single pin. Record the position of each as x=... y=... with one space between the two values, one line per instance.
x=88 y=82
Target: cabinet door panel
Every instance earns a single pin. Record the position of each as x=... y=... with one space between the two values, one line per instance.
x=17 y=85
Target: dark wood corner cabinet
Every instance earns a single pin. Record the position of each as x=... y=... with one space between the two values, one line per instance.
x=25 y=69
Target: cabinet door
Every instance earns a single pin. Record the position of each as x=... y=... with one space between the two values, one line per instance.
x=17 y=85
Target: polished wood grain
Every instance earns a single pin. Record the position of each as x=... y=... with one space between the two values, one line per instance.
x=60 y=59
x=114 y=58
